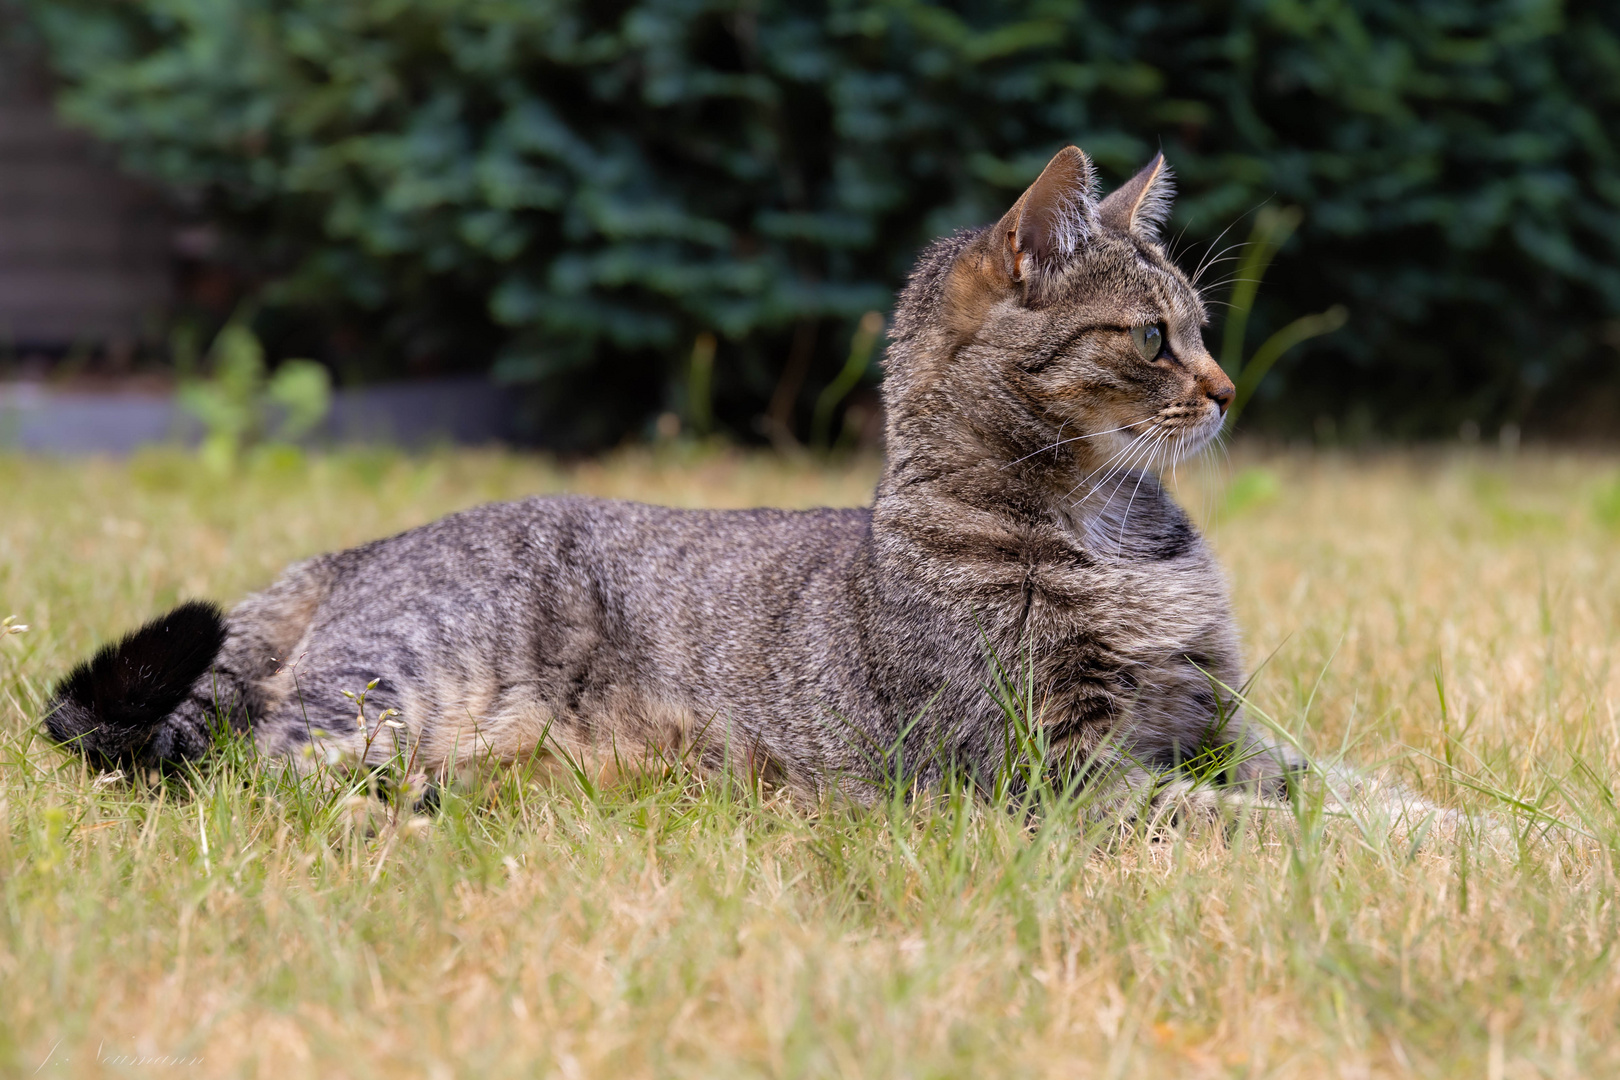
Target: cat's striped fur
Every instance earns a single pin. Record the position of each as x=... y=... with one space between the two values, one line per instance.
x=1018 y=514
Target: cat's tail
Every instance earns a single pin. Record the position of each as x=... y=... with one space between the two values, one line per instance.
x=139 y=702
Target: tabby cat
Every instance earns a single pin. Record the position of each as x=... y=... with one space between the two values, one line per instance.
x=1039 y=371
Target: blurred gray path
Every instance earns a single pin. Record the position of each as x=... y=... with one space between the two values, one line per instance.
x=36 y=418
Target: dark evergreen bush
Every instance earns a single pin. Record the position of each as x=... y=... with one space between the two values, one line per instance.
x=575 y=192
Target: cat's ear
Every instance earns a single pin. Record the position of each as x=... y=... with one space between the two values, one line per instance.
x=1029 y=246
x=1050 y=221
x=1141 y=205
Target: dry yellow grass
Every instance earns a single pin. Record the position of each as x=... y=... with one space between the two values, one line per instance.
x=687 y=930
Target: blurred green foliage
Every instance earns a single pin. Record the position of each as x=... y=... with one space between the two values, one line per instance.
x=1252 y=487
x=573 y=193
x=1606 y=504
x=244 y=408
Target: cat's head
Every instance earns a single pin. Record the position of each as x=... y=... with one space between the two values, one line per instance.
x=1067 y=323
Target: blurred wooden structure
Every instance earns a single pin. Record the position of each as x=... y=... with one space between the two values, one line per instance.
x=85 y=262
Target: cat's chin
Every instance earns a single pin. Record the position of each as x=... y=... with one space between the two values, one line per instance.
x=1193 y=438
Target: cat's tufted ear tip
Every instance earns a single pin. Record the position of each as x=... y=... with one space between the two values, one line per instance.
x=1141 y=205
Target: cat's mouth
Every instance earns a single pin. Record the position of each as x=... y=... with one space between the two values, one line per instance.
x=1184 y=428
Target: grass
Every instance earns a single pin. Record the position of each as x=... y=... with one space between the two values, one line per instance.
x=1453 y=615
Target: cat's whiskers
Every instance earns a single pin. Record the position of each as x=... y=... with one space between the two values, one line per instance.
x=1172 y=250
x=1178 y=442
x=1192 y=436
x=1141 y=461
x=1074 y=438
x=1190 y=453
x=1146 y=448
x=1213 y=263
x=1175 y=459
x=1124 y=520
x=1172 y=437
x=1222 y=284
x=1203 y=263
x=1222 y=442
x=1134 y=444
x=1085 y=480
x=1232 y=281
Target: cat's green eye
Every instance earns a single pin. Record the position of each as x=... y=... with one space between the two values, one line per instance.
x=1149 y=340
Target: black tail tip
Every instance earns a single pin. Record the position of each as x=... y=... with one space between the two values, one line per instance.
x=111 y=706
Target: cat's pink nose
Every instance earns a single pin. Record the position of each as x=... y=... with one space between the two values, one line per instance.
x=1216 y=386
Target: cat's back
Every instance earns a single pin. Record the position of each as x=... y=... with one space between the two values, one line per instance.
x=727 y=556
x=601 y=598
x=618 y=550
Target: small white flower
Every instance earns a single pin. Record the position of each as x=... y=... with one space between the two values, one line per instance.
x=10 y=625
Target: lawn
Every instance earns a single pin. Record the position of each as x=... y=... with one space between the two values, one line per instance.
x=1451 y=616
